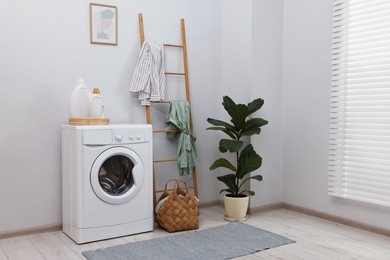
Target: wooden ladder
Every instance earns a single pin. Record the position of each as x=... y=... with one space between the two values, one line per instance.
x=183 y=46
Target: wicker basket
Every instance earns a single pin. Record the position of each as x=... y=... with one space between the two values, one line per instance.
x=180 y=211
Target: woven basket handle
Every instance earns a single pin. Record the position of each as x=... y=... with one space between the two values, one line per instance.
x=185 y=184
x=175 y=185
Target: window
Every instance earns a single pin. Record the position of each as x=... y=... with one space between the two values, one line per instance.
x=359 y=151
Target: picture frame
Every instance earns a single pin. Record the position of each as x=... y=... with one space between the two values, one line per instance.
x=103 y=24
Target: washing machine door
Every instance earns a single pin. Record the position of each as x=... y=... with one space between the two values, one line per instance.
x=117 y=175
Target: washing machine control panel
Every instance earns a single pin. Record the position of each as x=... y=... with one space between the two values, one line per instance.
x=130 y=136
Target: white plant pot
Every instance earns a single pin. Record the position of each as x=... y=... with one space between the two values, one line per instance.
x=236 y=208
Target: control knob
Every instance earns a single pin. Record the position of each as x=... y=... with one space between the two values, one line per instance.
x=118 y=138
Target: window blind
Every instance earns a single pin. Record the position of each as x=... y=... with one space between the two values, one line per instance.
x=359 y=150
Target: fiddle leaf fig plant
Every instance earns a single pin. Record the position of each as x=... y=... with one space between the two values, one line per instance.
x=246 y=159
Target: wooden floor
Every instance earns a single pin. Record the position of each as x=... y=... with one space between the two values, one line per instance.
x=315 y=239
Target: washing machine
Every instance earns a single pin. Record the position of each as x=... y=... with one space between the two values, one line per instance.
x=106 y=181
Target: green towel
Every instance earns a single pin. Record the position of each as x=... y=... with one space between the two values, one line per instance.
x=178 y=118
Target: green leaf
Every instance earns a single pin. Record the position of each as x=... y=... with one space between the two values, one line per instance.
x=222 y=162
x=253 y=131
x=254 y=123
x=238 y=112
x=230 y=145
x=255 y=105
x=230 y=182
x=251 y=193
x=256 y=177
x=222 y=149
x=252 y=126
x=227 y=190
x=217 y=122
x=248 y=161
x=228 y=102
x=223 y=129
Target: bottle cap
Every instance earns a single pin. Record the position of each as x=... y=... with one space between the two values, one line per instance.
x=96 y=91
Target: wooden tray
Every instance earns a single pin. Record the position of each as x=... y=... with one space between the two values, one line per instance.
x=88 y=121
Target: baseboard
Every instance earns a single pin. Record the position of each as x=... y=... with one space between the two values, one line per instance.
x=340 y=220
x=29 y=231
x=210 y=203
x=264 y=208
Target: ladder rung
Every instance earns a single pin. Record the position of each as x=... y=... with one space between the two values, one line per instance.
x=173 y=45
x=165 y=131
x=190 y=187
x=161 y=102
x=167 y=160
x=175 y=73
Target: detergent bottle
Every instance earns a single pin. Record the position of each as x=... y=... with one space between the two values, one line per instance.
x=79 y=100
x=96 y=107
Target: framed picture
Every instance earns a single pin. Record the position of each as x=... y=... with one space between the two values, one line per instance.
x=104 y=24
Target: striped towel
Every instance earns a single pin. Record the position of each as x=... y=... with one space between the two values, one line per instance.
x=149 y=76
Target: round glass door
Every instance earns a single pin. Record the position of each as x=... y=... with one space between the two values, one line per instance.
x=117 y=175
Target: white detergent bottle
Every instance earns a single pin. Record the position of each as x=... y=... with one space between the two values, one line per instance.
x=96 y=107
x=79 y=100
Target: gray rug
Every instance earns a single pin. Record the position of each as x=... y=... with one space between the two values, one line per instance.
x=223 y=242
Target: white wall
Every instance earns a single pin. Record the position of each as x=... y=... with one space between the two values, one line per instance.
x=251 y=56
x=236 y=50
x=306 y=80
x=266 y=83
x=236 y=69
x=45 y=48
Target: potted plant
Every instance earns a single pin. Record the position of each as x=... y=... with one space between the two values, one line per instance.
x=246 y=160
